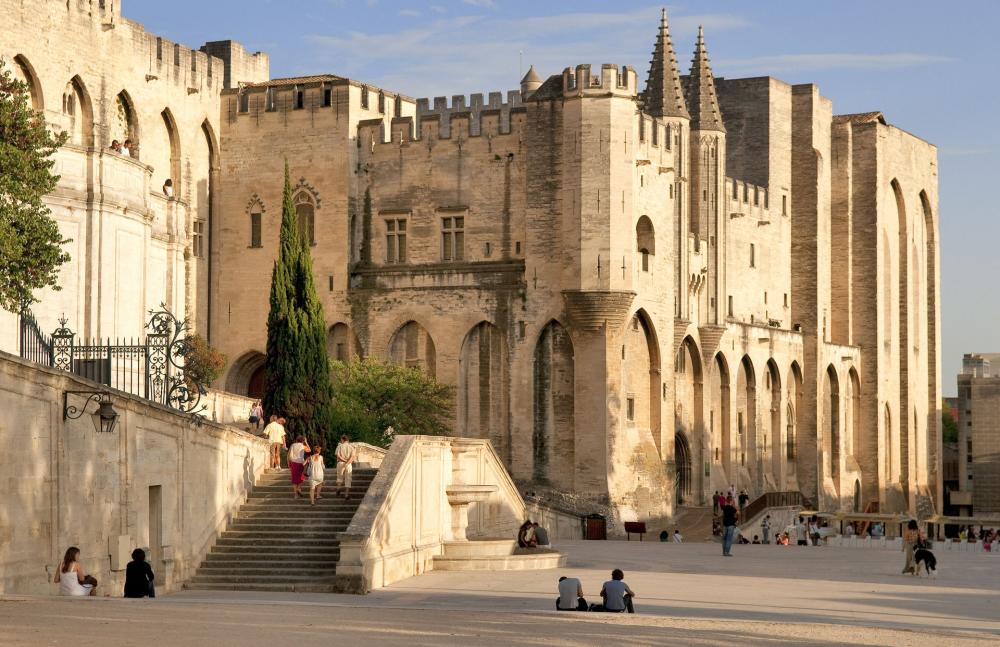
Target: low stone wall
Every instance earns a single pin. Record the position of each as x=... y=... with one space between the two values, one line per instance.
x=160 y=481
x=405 y=517
x=228 y=408
x=560 y=524
x=368 y=455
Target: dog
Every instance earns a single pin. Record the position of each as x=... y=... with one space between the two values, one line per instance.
x=923 y=555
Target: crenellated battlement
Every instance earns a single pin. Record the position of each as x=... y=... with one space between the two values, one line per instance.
x=746 y=199
x=401 y=130
x=612 y=79
x=474 y=106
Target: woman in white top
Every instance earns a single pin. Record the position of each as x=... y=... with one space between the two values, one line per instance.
x=296 y=460
x=70 y=577
x=315 y=470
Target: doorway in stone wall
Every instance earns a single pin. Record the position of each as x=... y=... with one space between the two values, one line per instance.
x=857 y=495
x=255 y=388
x=682 y=469
x=156 y=530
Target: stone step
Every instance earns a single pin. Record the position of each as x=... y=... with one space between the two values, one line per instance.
x=319 y=534
x=237 y=550
x=300 y=587
x=243 y=571
x=261 y=579
x=283 y=543
x=257 y=560
x=307 y=524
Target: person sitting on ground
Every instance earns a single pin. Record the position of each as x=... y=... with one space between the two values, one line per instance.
x=743 y=540
x=756 y=539
x=541 y=536
x=616 y=594
x=70 y=577
x=570 y=595
x=678 y=538
x=523 y=540
x=139 y=577
x=168 y=188
x=849 y=530
x=783 y=540
x=664 y=535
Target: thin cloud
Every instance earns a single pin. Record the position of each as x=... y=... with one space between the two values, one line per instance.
x=482 y=4
x=411 y=13
x=830 y=61
x=475 y=53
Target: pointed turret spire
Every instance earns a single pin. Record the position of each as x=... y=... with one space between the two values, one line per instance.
x=663 y=96
x=705 y=113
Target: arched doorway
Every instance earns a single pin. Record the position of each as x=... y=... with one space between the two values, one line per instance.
x=246 y=375
x=683 y=470
x=831 y=423
x=641 y=384
x=720 y=428
x=857 y=495
x=746 y=422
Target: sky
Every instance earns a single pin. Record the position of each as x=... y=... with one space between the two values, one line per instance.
x=932 y=68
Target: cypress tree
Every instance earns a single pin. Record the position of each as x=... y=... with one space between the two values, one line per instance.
x=297 y=369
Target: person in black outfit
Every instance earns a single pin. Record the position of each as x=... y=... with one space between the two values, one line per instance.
x=729 y=517
x=139 y=576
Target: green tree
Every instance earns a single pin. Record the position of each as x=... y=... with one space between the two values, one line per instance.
x=297 y=369
x=30 y=243
x=373 y=396
x=949 y=426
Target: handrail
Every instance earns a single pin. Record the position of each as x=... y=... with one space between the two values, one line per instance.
x=772 y=500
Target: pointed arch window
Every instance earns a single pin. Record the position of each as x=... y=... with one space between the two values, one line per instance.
x=305 y=209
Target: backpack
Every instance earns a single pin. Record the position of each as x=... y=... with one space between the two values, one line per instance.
x=308 y=469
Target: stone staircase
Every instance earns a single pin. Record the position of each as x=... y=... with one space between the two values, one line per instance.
x=277 y=543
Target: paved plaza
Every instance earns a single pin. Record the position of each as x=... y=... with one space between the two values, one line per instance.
x=687 y=594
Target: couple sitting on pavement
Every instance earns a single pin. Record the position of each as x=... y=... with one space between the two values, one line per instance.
x=615 y=593
x=531 y=535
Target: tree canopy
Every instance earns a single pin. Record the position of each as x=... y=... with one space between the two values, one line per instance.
x=373 y=395
x=31 y=249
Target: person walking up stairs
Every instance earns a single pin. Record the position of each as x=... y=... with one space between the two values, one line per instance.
x=277 y=543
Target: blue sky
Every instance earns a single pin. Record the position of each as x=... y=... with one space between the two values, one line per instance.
x=931 y=67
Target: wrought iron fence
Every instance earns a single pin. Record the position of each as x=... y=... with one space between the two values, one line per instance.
x=152 y=368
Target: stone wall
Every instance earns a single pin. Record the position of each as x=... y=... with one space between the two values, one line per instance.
x=158 y=481
x=405 y=517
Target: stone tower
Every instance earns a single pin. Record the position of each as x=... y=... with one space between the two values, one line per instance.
x=708 y=155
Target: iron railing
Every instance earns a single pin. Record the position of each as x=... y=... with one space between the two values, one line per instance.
x=152 y=367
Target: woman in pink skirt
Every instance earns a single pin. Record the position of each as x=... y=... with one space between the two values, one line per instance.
x=296 y=460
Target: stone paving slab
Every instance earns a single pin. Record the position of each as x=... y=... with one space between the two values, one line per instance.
x=686 y=593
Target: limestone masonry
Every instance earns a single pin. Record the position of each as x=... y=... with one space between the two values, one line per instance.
x=642 y=293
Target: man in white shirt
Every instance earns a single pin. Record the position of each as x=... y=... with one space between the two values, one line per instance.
x=346 y=454
x=678 y=538
x=570 y=595
x=275 y=432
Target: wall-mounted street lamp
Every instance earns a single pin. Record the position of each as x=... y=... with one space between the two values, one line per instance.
x=105 y=418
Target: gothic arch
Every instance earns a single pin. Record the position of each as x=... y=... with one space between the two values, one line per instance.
x=246 y=374
x=930 y=264
x=26 y=71
x=642 y=381
x=412 y=346
x=831 y=422
x=746 y=420
x=645 y=240
x=306 y=203
x=688 y=385
x=125 y=122
x=173 y=140
x=484 y=387
x=342 y=344
x=720 y=429
x=902 y=318
x=853 y=427
x=553 y=388
x=772 y=444
x=683 y=469
x=794 y=443
x=78 y=113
